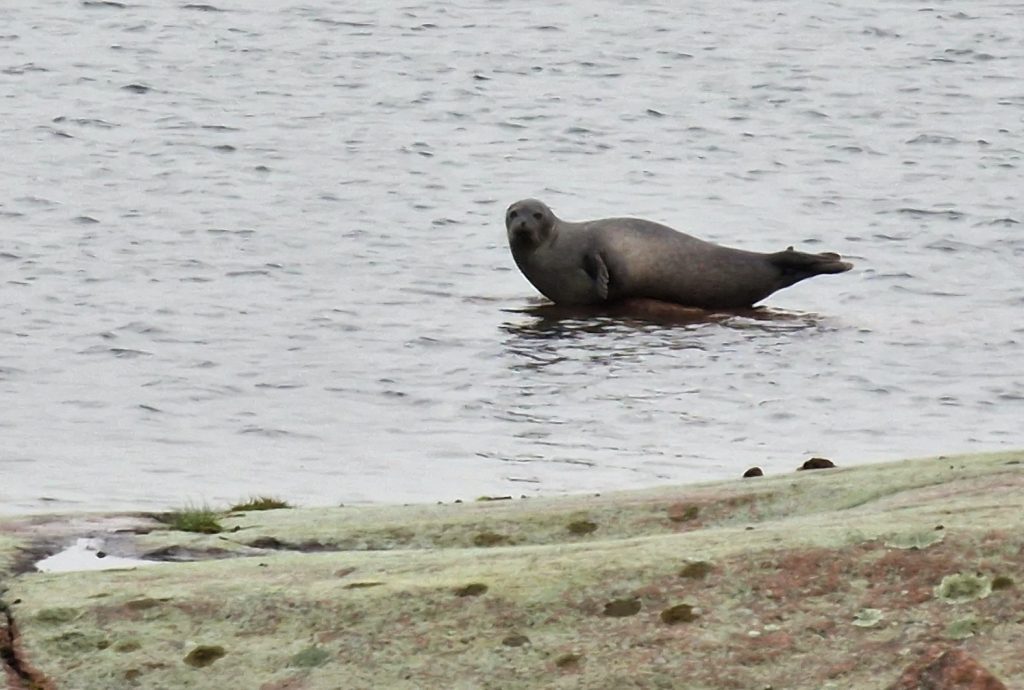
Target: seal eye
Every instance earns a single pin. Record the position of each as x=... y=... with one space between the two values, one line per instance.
x=512 y=215
x=537 y=215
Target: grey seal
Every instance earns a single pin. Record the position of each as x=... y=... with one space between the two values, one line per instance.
x=614 y=259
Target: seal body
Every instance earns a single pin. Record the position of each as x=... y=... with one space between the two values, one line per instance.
x=614 y=259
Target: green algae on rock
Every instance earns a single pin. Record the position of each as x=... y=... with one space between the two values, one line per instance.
x=963 y=628
x=868 y=618
x=963 y=587
x=58 y=615
x=918 y=539
x=309 y=657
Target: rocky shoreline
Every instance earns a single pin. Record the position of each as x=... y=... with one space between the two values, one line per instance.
x=873 y=576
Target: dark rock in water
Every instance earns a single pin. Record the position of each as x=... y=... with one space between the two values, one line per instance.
x=947 y=669
x=753 y=472
x=816 y=464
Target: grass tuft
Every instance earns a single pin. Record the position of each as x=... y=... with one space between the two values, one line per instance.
x=261 y=503
x=192 y=519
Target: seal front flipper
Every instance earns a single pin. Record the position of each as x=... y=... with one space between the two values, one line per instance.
x=597 y=269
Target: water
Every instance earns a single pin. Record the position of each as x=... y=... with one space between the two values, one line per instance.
x=258 y=248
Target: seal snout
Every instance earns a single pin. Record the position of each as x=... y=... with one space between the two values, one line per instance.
x=516 y=222
x=520 y=234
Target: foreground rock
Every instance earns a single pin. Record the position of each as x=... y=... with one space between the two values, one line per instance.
x=947 y=669
x=835 y=578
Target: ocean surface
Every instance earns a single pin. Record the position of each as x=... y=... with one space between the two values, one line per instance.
x=258 y=248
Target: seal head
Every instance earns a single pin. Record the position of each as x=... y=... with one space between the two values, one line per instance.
x=530 y=223
x=554 y=256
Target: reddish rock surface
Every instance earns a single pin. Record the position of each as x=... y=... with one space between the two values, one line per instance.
x=947 y=669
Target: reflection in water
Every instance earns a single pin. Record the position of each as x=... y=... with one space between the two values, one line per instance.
x=645 y=387
x=560 y=321
x=641 y=330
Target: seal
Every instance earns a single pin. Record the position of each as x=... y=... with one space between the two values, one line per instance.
x=615 y=259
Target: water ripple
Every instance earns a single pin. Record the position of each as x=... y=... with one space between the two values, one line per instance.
x=259 y=249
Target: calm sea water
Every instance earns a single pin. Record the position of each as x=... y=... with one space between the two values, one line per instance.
x=258 y=247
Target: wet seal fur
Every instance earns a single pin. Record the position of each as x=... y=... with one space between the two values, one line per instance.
x=614 y=259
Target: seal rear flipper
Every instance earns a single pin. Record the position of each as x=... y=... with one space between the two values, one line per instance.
x=597 y=269
x=802 y=265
